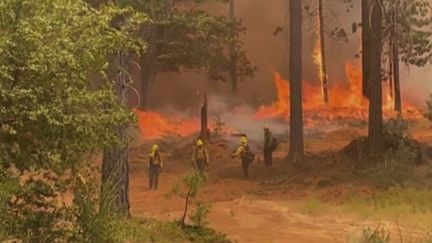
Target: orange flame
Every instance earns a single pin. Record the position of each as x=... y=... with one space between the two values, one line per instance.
x=317 y=55
x=153 y=124
x=346 y=101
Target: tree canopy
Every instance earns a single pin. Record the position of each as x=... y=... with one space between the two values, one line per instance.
x=57 y=101
x=184 y=36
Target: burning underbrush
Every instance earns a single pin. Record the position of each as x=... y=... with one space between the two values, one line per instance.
x=346 y=107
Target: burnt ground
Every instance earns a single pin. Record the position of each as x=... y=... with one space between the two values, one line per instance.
x=275 y=205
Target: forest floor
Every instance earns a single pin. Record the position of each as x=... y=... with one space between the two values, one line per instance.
x=314 y=203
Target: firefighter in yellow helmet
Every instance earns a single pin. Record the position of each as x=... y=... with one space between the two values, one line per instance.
x=200 y=157
x=155 y=165
x=245 y=154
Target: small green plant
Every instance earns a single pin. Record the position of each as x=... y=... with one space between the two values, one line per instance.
x=199 y=216
x=191 y=184
x=368 y=235
x=313 y=206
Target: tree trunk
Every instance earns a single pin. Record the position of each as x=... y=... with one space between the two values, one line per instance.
x=296 y=151
x=205 y=135
x=115 y=168
x=391 y=64
x=147 y=64
x=183 y=219
x=233 y=56
x=395 y=61
x=397 y=89
x=375 y=132
x=366 y=43
x=324 y=77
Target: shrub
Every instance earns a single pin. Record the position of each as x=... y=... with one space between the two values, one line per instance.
x=191 y=183
x=173 y=144
x=368 y=235
x=218 y=126
x=199 y=216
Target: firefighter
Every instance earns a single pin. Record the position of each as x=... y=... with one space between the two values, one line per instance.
x=270 y=145
x=200 y=157
x=245 y=154
x=155 y=165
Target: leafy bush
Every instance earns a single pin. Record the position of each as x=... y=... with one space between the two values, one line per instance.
x=401 y=152
x=57 y=104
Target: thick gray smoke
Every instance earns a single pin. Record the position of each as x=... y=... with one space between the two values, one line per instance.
x=243 y=122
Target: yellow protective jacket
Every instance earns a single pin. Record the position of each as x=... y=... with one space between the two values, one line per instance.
x=200 y=153
x=241 y=150
x=155 y=159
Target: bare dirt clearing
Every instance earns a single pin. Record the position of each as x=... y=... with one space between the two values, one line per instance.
x=249 y=211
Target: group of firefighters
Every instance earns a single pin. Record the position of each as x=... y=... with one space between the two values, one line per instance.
x=200 y=157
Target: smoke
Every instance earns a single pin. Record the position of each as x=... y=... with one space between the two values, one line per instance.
x=183 y=91
x=242 y=120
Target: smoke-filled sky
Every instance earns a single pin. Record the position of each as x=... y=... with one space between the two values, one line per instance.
x=268 y=52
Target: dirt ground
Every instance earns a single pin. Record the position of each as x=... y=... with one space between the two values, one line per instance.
x=246 y=211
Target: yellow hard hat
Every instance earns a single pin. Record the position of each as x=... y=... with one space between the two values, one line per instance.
x=243 y=140
x=155 y=147
x=200 y=142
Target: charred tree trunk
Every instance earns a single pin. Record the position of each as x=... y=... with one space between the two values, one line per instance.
x=233 y=56
x=324 y=78
x=396 y=75
x=366 y=45
x=147 y=70
x=205 y=134
x=115 y=168
x=391 y=64
x=375 y=132
x=296 y=151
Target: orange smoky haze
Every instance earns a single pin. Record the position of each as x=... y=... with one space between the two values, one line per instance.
x=178 y=96
x=346 y=104
x=265 y=50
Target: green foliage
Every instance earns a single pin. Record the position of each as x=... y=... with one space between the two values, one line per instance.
x=189 y=190
x=56 y=105
x=396 y=202
x=202 y=234
x=199 y=216
x=50 y=109
x=368 y=235
x=193 y=183
x=396 y=127
x=182 y=36
x=313 y=206
x=401 y=152
x=93 y=225
x=411 y=29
